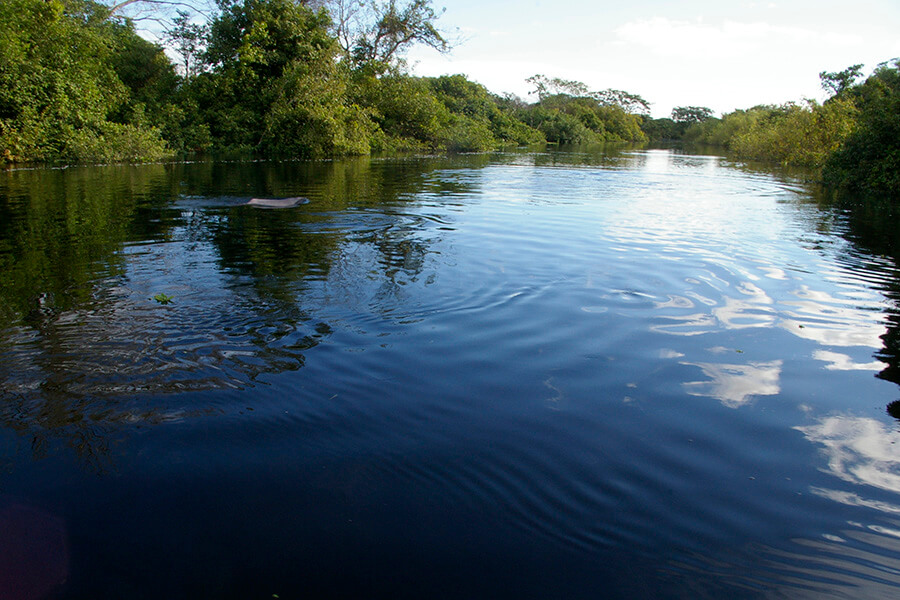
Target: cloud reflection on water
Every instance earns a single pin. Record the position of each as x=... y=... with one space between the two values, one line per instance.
x=735 y=385
x=816 y=316
x=860 y=450
x=842 y=362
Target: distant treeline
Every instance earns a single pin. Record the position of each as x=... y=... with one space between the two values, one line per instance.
x=304 y=78
x=852 y=139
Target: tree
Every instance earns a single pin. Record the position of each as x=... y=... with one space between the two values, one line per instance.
x=836 y=83
x=868 y=162
x=276 y=85
x=545 y=86
x=349 y=18
x=263 y=37
x=630 y=103
x=691 y=114
x=62 y=94
x=376 y=34
x=567 y=113
x=188 y=40
x=161 y=11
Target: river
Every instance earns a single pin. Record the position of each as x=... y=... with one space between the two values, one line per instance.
x=573 y=373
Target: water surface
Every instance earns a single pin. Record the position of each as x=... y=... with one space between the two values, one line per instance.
x=572 y=374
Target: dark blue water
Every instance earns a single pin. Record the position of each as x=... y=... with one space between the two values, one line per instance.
x=566 y=374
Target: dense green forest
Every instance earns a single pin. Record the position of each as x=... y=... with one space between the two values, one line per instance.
x=272 y=77
x=295 y=78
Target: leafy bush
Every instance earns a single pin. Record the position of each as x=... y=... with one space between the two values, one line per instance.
x=511 y=131
x=582 y=120
x=114 y=142
x=465 y=134
x=804 y=135
x=61 y=94
x=663 y=129
x=312 y=117
x=560 y=127
x=869 y=160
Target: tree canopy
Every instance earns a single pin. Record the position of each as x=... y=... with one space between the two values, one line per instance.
x=836 y=83
x=691 y=114
x=74 y=85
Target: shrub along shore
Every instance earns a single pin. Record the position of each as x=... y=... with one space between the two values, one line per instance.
x=281 y=78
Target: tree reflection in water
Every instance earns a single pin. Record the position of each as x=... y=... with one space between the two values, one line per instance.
x=871 y=226
x=85 y=350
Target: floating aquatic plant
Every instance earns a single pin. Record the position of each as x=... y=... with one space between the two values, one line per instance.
x=163 y=298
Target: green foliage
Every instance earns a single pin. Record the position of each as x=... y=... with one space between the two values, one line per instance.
x=620 y=125
x=686 y=123
x=480 y=110
x=115 y=142
x=260 y=38
x=582 y=120
x=188 y=40
x=869 y=160
x=837 y=83
x=61 y=82
x=511 y=131
x=310 y=115
x=853 y=137
x=691 y=114
x=394 y=27
x=465 y=134
x=662 y=129
x=721 y=132
x=563 y=128
x=183 y=126
x=545 y=87
x=448 y=113
x=567 y=113
x=795 y=134
x=146 y=72
x=791 y=134
x=406 y=110
x=276 y=86
x=630 y=103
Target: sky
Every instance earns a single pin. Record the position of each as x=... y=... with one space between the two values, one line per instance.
x=723 y=54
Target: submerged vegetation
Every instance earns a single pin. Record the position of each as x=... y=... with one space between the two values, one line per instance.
x=289 y=78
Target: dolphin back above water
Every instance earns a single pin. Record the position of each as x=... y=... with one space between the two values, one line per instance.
x=278 y=202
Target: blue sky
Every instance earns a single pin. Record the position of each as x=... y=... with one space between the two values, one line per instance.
x=724 y=55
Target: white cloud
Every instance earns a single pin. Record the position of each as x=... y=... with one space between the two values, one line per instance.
x=696 y=39
x=741 y=57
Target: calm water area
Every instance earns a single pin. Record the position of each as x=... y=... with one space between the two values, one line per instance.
x=556 y=374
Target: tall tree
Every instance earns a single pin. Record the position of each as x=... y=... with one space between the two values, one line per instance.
x=836 y=83
x=869 y=160
x=550 y=86
x=630 y=103
x=378 y=33
x=188 y=40
x=275 y=83
x=691 y=114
